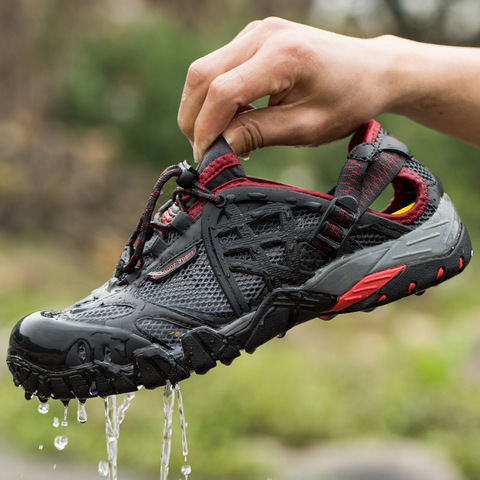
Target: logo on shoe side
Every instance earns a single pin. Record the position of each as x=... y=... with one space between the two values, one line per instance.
x=173 y=265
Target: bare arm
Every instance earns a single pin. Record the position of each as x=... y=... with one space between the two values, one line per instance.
x=322 y=86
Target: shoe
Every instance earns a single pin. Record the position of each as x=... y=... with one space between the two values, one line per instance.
x=232 y=261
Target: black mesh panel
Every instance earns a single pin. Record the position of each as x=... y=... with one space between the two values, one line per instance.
x=270 y=224
x=305 y=218
x=250 y=285
x=276 y=254
x=161 y=330
x=194 y=287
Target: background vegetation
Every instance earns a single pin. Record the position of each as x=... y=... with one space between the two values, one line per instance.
x=88 y=98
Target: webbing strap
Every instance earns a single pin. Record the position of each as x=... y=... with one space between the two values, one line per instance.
x=370 y=167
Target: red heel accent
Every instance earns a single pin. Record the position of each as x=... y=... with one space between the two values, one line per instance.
x=366 y=287
x=411 y=287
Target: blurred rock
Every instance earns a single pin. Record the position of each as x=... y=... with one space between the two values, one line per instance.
x=371 y=460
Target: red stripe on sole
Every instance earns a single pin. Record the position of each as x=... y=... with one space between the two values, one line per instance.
x=440 y=273
x=365 y=287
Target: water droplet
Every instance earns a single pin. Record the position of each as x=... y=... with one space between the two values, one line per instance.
x=93 y=388
x=65 y=414
x=56 y=422
x=186 y=470
x=43 y=407
x=103 y=468
x=81 y=412
x=60 y=442
x=40 y=447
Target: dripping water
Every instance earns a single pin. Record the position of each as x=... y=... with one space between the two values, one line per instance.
x=43 y=407
x=113 y=419
x=170 y=394
x=186 y=469
x=124 y=406
x=110 y=432
x=65 y=414
x=168 y=403
x=103 y=468
x=81 y=412
x=60 y=442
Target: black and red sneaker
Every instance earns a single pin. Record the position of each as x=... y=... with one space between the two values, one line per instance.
x=231 y=262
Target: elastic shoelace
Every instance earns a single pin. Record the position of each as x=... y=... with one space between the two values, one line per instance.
x=142 y=231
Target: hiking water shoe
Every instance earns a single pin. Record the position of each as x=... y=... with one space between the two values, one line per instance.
x=231 y=262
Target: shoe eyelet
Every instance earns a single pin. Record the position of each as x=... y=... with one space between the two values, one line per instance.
x=222 y=202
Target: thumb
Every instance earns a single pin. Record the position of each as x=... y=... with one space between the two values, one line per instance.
x=275 y=125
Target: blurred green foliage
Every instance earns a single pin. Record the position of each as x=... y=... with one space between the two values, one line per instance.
x=406 y=370
x=132 y=80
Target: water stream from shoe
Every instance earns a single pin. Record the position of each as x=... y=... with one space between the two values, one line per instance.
x=115 y=415
x=170 y=394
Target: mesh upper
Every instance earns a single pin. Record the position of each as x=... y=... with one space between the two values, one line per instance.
x=163 y=331
x=194 y=287
x=310 y=257
x=421 y=170
x=429 y=180
x=270 y=224
x=305 y=218
x=276 y=254
x=370 y=238
x=250 y=285
x=228 y=236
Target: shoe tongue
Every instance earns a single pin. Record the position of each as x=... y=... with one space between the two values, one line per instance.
x=219 y=165
x=368 y=133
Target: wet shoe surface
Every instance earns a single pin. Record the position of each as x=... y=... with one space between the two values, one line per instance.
x=232 y=261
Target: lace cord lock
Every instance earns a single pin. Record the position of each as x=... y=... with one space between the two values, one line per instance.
x=188 y=175
x=123 y=260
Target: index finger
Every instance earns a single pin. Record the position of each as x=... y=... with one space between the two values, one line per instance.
x=204 y=70
x=256 y=78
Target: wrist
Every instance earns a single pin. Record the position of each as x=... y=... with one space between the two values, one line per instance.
x=400 y=75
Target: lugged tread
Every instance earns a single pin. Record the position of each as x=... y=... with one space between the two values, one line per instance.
x=203 y=346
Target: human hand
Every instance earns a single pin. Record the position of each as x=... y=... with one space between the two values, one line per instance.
x=321 y=87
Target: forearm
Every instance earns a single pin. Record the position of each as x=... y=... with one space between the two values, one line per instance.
x=437 y=86
x=322 y=86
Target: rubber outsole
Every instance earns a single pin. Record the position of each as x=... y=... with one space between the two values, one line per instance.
x=203 y=347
